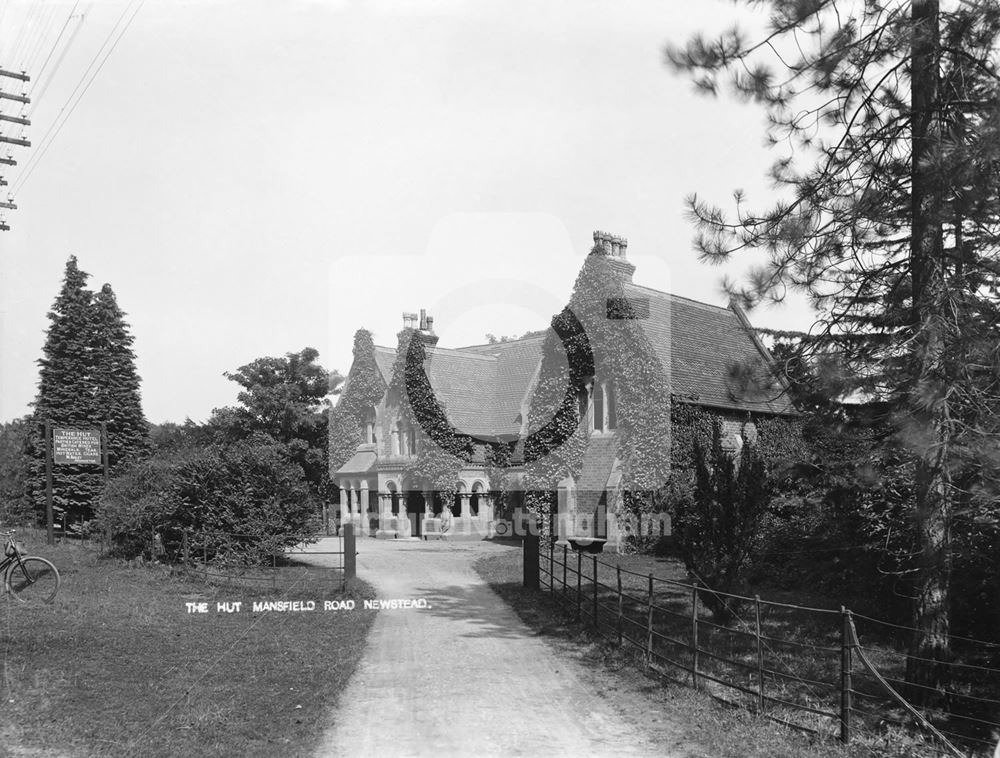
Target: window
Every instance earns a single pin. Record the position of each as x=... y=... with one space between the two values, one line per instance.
x=609 y=388
x=369 y=422
x=599 y=409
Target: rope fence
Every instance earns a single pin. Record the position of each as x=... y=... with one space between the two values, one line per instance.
x=800 y=666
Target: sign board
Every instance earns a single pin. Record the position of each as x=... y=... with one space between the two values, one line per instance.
x=76 y=445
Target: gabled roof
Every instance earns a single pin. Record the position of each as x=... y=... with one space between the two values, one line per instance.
x=701 y=343
x=483 y=388
x=361 y=462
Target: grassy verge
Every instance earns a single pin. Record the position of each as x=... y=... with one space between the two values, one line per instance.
x=709 y=729
x=117 y=665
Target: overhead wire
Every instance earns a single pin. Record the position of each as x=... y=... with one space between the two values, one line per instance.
x=60 y=121
x=35 y=99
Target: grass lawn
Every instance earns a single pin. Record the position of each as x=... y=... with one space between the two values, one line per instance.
x=118 y=666
x=712 y=730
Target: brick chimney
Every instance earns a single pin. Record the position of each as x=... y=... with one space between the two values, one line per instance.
x=426 y=329
x=615 y=248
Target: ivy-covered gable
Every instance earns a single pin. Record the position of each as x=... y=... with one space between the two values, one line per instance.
x=363 y=389
x=598 y=338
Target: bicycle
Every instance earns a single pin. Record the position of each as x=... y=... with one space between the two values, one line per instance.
x=28 y=578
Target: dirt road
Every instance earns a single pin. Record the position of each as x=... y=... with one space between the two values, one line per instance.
x=463 y=676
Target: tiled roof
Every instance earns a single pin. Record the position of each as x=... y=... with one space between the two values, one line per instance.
x=701 y=343
x=361 y=462
x=482 y=387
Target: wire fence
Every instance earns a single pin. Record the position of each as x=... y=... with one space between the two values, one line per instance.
x=802 y=667
x=243 y=559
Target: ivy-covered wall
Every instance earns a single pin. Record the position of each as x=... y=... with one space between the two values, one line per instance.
x=599 y=334
x=442 y=452
x=363 y=389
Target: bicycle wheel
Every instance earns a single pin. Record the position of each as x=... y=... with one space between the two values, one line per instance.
x=34 y=580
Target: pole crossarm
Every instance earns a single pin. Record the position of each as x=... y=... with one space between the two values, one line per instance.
x=14 y=75
x=15 y=141
x=22 y=98
x=8 y=161
x=15 y=120
x=8 y=205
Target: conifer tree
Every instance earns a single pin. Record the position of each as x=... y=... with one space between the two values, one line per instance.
x=87 y=376
x=890 y=226
x=116 y=382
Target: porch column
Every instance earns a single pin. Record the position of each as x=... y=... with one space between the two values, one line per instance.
x=465 y=500
x=343 y=505
x=363 y=507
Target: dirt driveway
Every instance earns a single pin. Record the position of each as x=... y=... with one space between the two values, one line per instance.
x=463 y=676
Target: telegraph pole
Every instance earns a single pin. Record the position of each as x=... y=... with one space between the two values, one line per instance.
x=8 y=160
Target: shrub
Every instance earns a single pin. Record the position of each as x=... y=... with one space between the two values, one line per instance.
x=238 y=503
x=718 y=525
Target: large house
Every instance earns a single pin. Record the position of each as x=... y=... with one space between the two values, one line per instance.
x=486 y=392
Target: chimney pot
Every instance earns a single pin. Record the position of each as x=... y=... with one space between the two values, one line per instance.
x=430 y=323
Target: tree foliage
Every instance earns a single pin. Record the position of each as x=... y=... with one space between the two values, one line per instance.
x=890 y=224
x=284 y=400
x=718 y=526
x=87 y=376
x=15 y=503
x=239 y=502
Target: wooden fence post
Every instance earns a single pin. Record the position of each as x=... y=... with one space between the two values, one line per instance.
x=565 y=561
x=618 y=571
x=760 y=655
x=579 y=586
x=649 y=624
x=594 y=559
x=845 y=675
x=694 y=635
x=552 y=564
x=350 y=552
x=529 y=561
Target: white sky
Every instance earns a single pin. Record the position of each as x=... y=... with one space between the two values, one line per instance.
x=255 y=177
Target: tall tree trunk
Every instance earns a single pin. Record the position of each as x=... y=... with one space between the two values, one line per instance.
x=930 y=435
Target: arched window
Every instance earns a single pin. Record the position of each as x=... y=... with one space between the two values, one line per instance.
x=411 y=440
x=583 y=404
x=609 y=388
x=599 y=408
x=369 y=425
x=401 y=437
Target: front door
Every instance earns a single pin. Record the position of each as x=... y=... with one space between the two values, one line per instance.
x=415 y=508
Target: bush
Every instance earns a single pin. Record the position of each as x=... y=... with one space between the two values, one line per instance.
x=718 y=524
x=239 y=503
x=135 y=506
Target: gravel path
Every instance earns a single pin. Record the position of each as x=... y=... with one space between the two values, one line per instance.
x=463 y=676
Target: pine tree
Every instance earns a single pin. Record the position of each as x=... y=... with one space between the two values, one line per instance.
x=892 y=231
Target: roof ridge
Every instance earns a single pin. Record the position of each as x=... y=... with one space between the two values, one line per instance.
x=507 y=342
x=458 y=351
x=679 y=297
